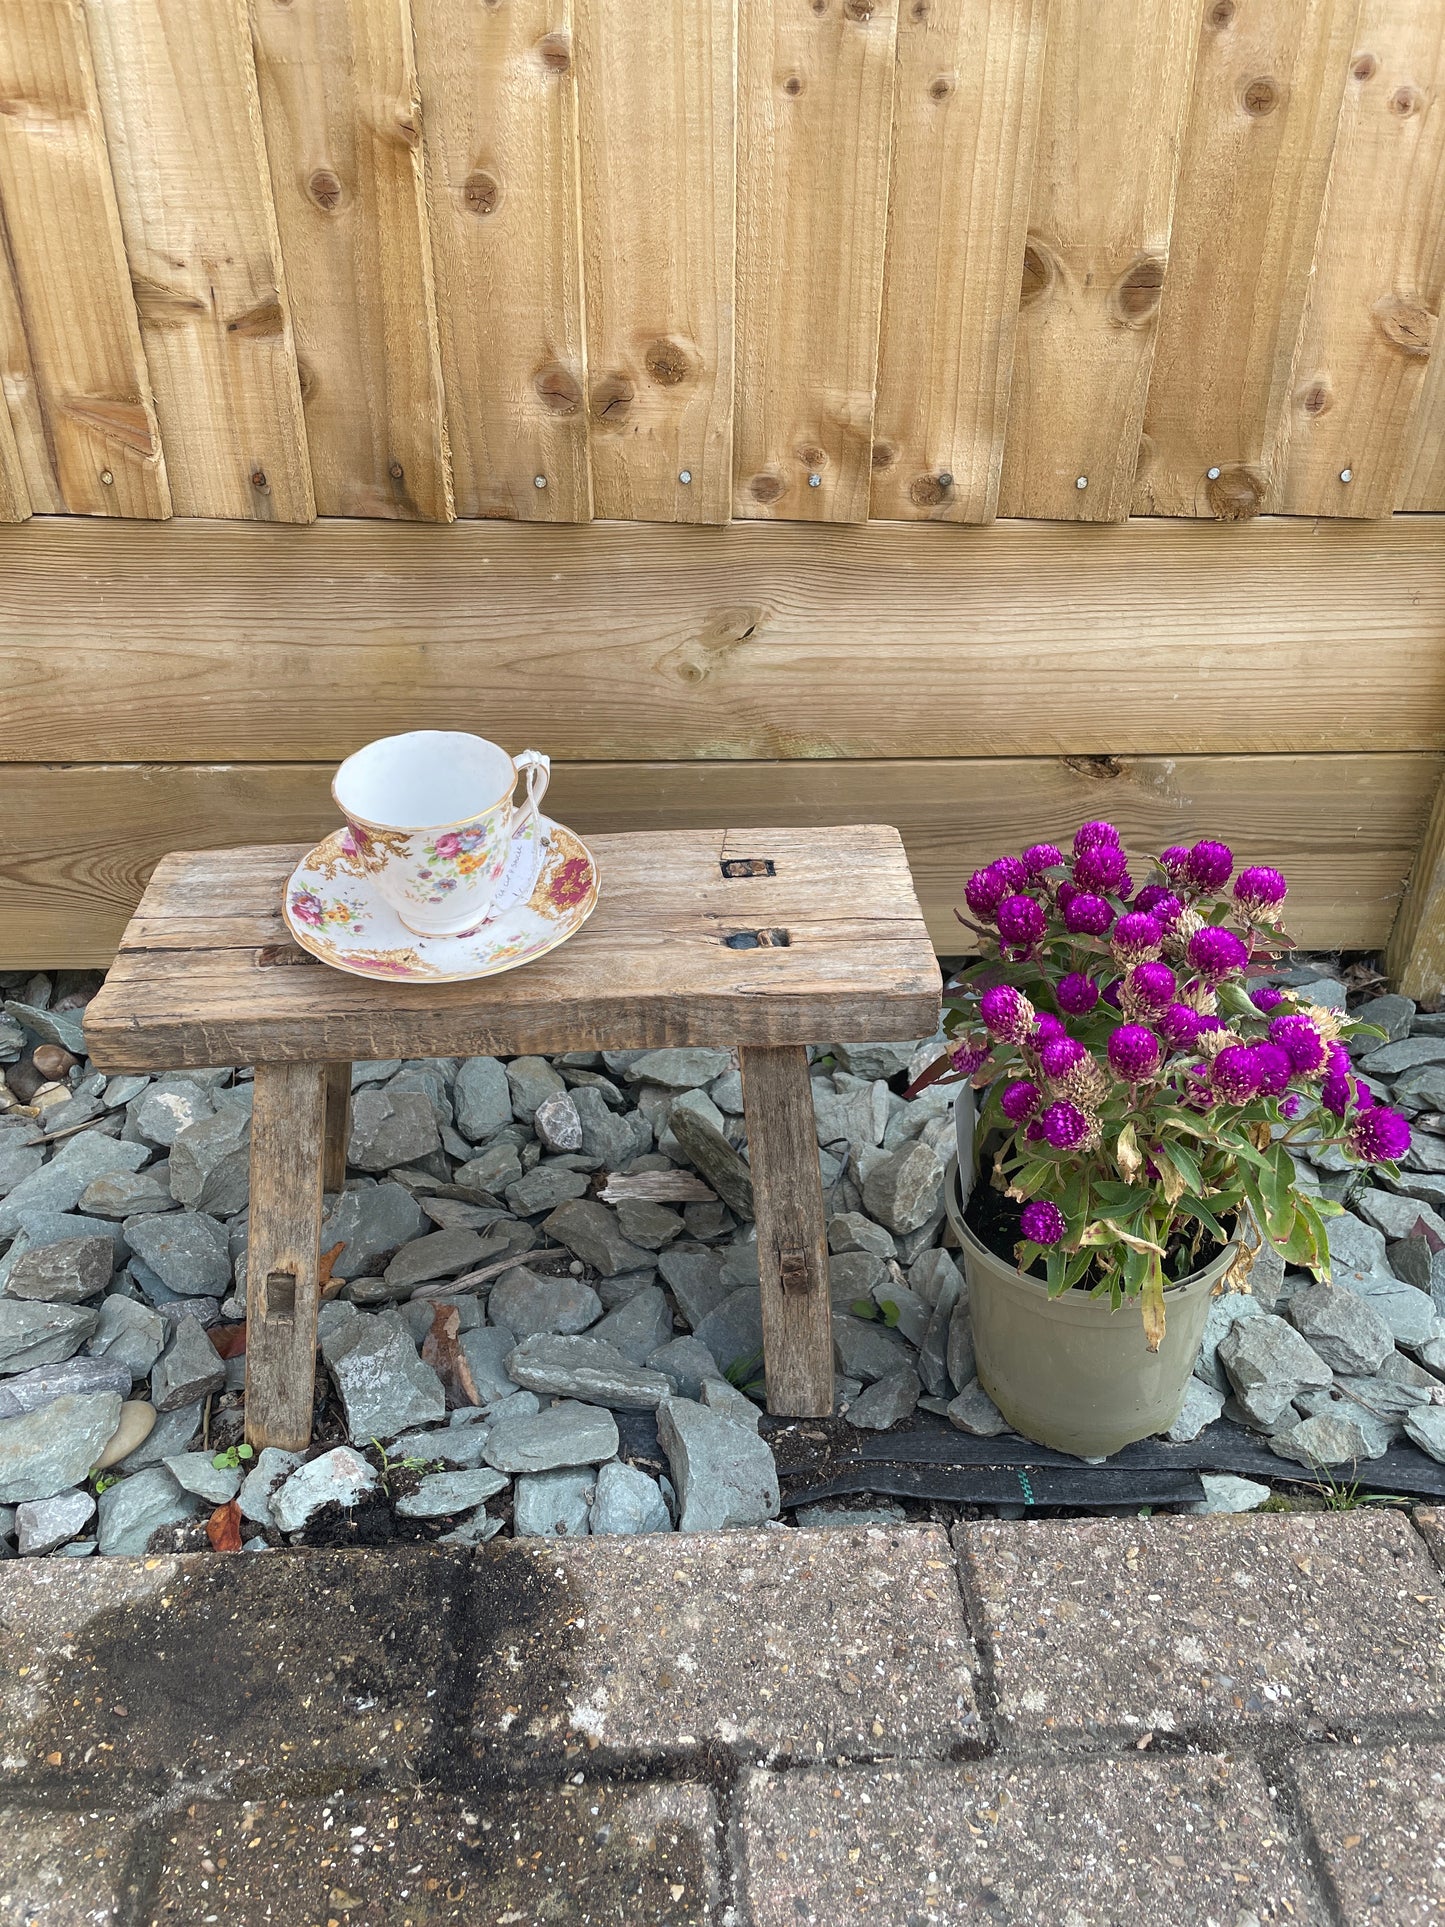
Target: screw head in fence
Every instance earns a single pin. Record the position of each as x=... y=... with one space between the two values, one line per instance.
x=1214 y=474
x=107 y=477
x=815 y=481
x=1082 y=481
x=684 y=476
x=539 y=481
x=1347 y=475
x=945 y=480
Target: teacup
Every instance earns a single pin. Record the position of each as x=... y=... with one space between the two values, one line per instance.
x=432 y=818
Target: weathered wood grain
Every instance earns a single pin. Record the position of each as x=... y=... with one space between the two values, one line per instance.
x=1423 y=487
x=21 y=394
x=965 y=117
x=658 y=225
x=1116 y=95
x=815 y=109
x=183 y=126
x=14 y=495
x=338 y=1126
x=81 y=842
x=792 y=1245
x=1416 y=955
x=101 y=452
x=1379 y=275
x=500 y=94
x=341 y=110
x=283 y=1253
x=650 y=967
x=213 y=643
x=1267 y=89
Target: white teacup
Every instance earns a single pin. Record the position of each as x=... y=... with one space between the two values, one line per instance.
x=433 y=817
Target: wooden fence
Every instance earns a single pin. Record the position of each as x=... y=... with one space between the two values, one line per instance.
x=1172 y=266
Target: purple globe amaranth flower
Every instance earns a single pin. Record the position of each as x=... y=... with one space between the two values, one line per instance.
x=1297 y=1036
x=1039 y=857
x=1077 y=994
x=1021 y=921
x=1006 y=1013
x=1266 y=998
x=1379 y=1135
x=1235 y=1073
x=1208 y=865
x=1336 y=1091
x=1174 y=862
x=1149 y=986
x=1134 y=1051
x=985 y=891
x=1337 y=1059
x=1086 y=915
x=1215 y=952
x=1137 y=938
x=1020 y=1100
x=1103 y=867
x=1259 y=891
x=1059 y=1056
x=1064 y=1125
x=1043 y=1223
x=1291 y=1106
x=1091 y=836
x=968 y=1058
x=1034 y=1132
x=1047 y=1026
x=1179 y=1025
x=1274 y=1067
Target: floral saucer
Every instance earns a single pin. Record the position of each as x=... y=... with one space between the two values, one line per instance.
x=334 y=909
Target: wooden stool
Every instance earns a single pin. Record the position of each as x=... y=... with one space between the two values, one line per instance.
x=764 y=939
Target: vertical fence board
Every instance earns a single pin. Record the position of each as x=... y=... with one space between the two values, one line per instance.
x=1116 y=94
x=1424 y=482
x=22 y=399
x=340 y=106
x=1379 y=271
x=72 y=287
x=657 y=114
x=500 y=112
x=178 y=92
x=14 y=495
x=1267 y=89
x=815 y=117
x=965 y=117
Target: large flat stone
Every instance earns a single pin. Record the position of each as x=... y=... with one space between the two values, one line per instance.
x=65 y=1869
x=1102 y=1627
x=329 y=1664
x=1024 y=1843
x=807 y=1645
x=1379 y=1822
x=644 y=1855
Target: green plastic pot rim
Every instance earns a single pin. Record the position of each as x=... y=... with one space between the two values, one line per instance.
x=1075 y=1308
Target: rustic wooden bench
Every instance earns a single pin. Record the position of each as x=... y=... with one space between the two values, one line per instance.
x=764 y=939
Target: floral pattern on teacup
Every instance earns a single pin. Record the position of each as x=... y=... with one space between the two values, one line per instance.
x=319 y=913
x=566 y=881
x=456 y=855
x=357 y=852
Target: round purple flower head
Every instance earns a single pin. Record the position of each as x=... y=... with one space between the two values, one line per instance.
x=1047 y=1026
x=1020 y=1100
x=1091 y=836
x=1006 y=1012
x=1266 y=998
x=987 y=888
x=1291 y=1106
x=1087 y=915
x=1151 y=985
x=1059 y=1056
x=1259 y=890
x=1064 y=1125
x=968 y=1058
x=1380 y=1135
x=1174 y=862
x=1137 y=937
x=1180 y=1026
x=1336 y=1091
x=1021 y=921
x=1042 y=1222
x=1301 y=1042
x=1215 y=951
x=1274 y=1068
x=1039 y=857
x=1077 y=993
x=1208 y=865
x=1134 y=1051
x=1235 y=1073
x=1104 y=867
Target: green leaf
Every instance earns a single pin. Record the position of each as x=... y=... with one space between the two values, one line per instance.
x=1186 y=1165
x=863 y=1308
x=1191 y=1207
x=889 y=1309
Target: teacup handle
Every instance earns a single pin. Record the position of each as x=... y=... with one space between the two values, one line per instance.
x=537 y=769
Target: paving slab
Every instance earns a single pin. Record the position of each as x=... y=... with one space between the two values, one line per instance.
x=1379 y=1821
x=1430 y=1522
x=639 y=1856
x=242 y=1669
x=65 y=1869
x=1022 y=1843
x=813 y=1645
x=1294 y=1621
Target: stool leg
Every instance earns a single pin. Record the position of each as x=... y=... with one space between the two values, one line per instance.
x=792 y=1249
x=288 y=1149
x=338 y=1125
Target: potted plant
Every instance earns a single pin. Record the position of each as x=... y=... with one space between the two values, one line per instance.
x=1138 y=1094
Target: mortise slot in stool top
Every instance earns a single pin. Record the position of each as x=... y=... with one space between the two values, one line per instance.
x=758 y=940
x=281 y=1297
x=749 y=866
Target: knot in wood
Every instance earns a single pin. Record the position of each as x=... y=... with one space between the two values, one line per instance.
x=258 y=480
x=324 y=189
x=1260 y=97
x=667 y=363
x=810 y=455
x=793 y=86
x=1136 y=298
x=860 y=10
x=554 y=50
x=1040 y=272
x=1316 y=399
x=395 y=471
x=884 y=455
x=918 y=11
x=927 y=491
x=1221 y=14
x=766 y=488
x=612 y=397
x=257 y=323
x=558 y=389
x=1406 y=101
x=1407 y=325
x=481 y=193
x=1364 y=66
x=941 y=88
x=1236 y=494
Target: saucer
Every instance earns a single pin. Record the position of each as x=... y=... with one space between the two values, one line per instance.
x=334 y=909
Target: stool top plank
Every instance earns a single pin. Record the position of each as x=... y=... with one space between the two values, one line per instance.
x=207 y=972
